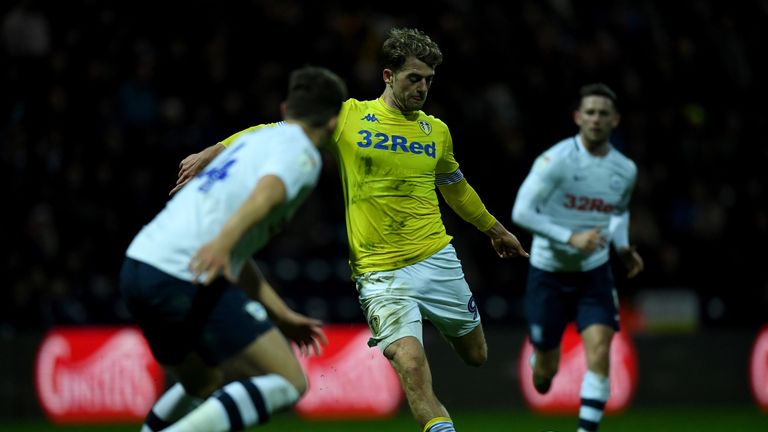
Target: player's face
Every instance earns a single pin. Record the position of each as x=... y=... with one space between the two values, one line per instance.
x=411 y=83
x=596 y=118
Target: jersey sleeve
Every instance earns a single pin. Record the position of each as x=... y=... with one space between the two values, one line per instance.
x=232 y=138
x=297 y=169
x=619 y=225
x=537 y=187
x=447 y=163
x=346 y=107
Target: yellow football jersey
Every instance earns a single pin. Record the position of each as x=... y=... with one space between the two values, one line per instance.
x=388 y=162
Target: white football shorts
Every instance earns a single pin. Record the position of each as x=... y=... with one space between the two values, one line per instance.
x=396 y=301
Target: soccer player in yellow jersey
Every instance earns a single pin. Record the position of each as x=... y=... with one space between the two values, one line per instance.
x=392 y=158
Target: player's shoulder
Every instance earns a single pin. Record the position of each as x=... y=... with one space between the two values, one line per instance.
x=623 y=160
x=356 y=104
x=562 y=150
x=554 y=158
x=436 y=122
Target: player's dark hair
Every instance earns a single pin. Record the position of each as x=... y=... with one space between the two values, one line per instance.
x=598 y=89
x=315 y=94
x=402 y=43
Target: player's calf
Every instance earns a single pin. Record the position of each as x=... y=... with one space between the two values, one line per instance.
x=240 y=404
x=542 y=382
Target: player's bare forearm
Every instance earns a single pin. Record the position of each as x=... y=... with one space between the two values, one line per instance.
x=212 y=259
x=588 y=241
x=269 y=192
x=504 y=242
x=304 y=331
x=632 y=260
x=252 y=281
x=194 y=163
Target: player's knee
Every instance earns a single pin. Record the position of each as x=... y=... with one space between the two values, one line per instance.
x=477 y=357
x=201 y=388
x=547 y=364
x=600 y=351
x=299 y=382
x=549 y=370
x=408 y=363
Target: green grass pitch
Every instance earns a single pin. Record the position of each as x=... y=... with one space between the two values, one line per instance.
x=703 y=419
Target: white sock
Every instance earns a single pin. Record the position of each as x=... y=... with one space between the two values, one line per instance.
x=172 y=405
x=240 y=404
x=595 y=390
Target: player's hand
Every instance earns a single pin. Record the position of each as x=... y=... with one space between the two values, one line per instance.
x=632 y=261
x=306 y=332
x=588 y=241
x=209 y=262
x=193 y=164
x=505 y=243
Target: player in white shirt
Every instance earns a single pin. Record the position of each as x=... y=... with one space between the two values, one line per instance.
x=191 y=284
x=575 y=202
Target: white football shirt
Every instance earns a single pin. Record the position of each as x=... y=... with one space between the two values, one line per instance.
x=196 y=214
x=570 y=190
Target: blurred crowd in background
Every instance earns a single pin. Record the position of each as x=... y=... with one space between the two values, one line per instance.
x=100 y=101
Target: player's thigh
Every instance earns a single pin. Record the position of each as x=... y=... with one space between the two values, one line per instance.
x=547 y=308
x=389 y=307
x=598 y=302
x=471 y=347
x=444 y=296
x=234 y=324
x=160 y=304
x=269 y=353
x=597 y=337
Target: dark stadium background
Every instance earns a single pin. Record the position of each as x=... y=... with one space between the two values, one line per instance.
x=100 y=101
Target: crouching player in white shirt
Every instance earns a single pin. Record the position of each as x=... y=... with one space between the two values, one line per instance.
x=191 y=284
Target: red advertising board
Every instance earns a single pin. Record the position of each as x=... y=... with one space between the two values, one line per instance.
x=758 y=369
x=564 y=396
x=96 y=374
x=349 y=379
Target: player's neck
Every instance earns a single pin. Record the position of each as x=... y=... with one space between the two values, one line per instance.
x=317 y=135
x=390 y=101
x=595 y=148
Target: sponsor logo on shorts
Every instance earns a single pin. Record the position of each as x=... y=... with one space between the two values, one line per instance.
x=256 y=310
x=536 y=333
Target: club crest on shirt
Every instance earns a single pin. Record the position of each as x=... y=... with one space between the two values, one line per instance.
x=306 y=162
x=616 y=182
x=425 y=127
x=375 y=324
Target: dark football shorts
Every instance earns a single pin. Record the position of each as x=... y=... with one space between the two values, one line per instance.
x=554 y=299
x=179 y=317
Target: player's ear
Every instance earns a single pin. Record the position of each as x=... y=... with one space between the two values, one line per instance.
x=283 y=108
x=332 y=123
x=616 y=120
x=577 y=118
x=387 y=74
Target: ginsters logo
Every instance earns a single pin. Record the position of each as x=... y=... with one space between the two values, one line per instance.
x=96 y=374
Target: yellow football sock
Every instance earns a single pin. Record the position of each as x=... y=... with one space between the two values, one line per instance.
x=436 y=420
